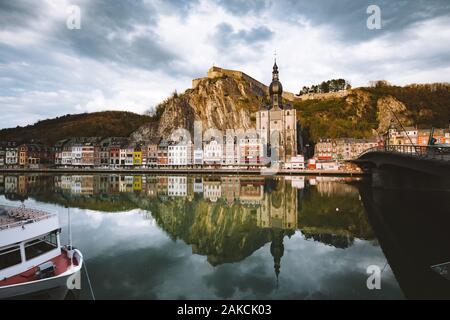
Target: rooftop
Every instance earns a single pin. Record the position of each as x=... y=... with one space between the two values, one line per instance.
x=11 y=217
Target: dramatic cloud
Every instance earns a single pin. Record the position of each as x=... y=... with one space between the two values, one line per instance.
x=132 y=54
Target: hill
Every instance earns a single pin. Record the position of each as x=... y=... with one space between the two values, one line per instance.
x=368 y=111
x=226 y=100
x=100 y=124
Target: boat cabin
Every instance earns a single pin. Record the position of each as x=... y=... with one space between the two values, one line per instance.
x=29 y=238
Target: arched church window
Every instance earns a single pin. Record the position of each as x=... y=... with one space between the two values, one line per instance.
x=288 y=113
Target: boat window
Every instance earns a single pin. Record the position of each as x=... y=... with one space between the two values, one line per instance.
x=10 y=257
x=40 y=246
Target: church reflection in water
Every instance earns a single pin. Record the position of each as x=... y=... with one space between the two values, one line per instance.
x=225 y=218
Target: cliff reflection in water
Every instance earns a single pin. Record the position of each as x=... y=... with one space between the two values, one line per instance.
x=225 y=218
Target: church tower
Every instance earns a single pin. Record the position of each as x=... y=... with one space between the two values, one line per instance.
x=276 y=123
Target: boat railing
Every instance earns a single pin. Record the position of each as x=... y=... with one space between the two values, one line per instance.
x=19 y=216
x=436 y=152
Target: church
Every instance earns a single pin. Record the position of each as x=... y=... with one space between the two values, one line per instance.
x=276 y=123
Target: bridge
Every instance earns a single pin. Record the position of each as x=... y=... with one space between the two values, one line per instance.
x=428 y=165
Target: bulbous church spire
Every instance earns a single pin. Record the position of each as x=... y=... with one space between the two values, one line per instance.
x=275 y=88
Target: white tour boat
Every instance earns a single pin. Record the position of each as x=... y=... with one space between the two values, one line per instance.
x=32 y=259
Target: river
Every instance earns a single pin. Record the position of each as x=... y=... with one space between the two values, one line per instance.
x=220 y=237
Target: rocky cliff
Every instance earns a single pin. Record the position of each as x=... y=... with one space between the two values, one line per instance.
x=223 y=103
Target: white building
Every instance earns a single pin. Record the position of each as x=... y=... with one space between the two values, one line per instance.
x=180 y=154
x=66 y=157
x=77 y=154
x=126 y=155
x=129 y=156
x=297 y=162
x=212 y=152
x=11 y=155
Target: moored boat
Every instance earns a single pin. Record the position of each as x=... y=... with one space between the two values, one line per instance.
x=32 y=258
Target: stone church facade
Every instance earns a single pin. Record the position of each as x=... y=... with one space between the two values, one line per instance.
x=276 y=123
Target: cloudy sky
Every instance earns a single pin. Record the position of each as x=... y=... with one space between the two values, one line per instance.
x=129 y=55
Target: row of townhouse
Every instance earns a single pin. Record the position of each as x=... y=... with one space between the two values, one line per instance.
x=415 y=136
x=26 y=155
x=342 y=149
x=232 y=151
x=120 y=152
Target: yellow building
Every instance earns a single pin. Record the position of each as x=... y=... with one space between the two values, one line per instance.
x=137 y=158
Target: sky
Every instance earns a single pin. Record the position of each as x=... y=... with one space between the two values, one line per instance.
x=131 y=54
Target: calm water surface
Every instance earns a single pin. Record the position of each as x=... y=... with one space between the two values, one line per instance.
x=214 y=237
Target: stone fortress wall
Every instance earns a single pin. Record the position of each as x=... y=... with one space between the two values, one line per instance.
x=216 y=72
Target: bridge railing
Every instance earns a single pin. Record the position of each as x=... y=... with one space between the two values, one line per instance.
x=418 y=151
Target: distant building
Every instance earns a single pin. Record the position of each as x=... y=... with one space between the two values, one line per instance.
x=152 y=152
x=230 y=152
x=66 y=154
x=297 y=162
x=250 y=150
x=104 y=152
x=163 y=146
x=212 y=152
x=138 y=156
x=77 y=150
x=180 y=153
x=198 y=157
x=2 y=155
x=114 y=154
x=11 y=154
x=87 y=154
x=342 y=149
x=58 y=151
x=33 y=155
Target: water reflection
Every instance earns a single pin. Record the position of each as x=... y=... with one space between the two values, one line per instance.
x=216 y=236
x=412 y=227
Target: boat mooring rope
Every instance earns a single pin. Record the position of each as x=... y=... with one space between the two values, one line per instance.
x=88 y=280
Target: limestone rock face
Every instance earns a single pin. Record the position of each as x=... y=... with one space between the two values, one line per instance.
x=388 y=105
x=221 y=103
